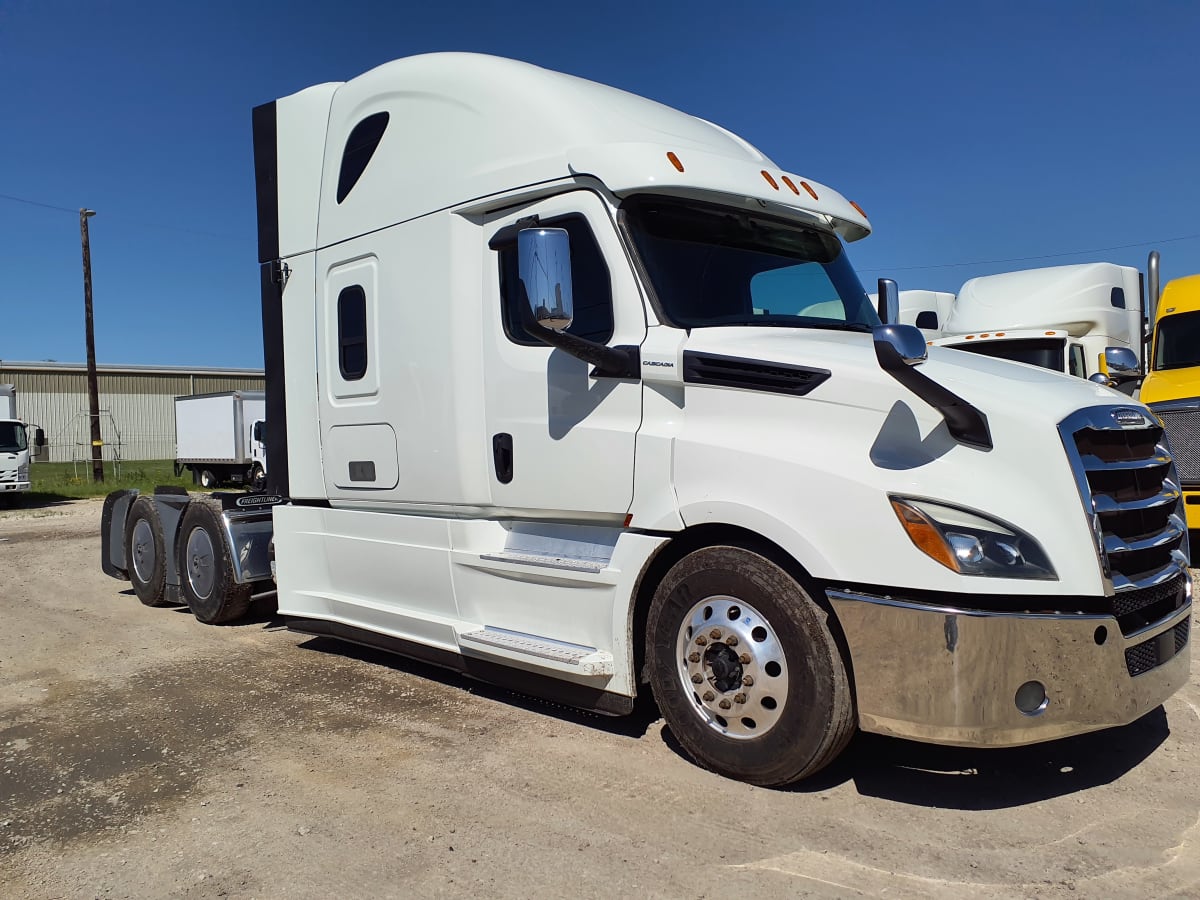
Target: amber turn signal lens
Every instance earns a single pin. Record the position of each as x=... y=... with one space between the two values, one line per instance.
x=924 y=535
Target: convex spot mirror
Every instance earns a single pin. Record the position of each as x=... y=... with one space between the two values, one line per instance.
x=545 y=267
x=906 y=340
x=1121 y=362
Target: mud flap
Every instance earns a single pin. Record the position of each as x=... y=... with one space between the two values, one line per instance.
x=112 y=533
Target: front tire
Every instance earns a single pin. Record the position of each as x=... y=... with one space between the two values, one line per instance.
x=145 y=552
x=206 y=570
x=258 y=478
x=209 y=479
x=745 y=668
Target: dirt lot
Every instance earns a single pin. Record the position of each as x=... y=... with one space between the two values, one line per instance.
x=145 y=755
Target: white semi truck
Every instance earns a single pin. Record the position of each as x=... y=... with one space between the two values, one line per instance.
x=574 y=392
x=16 y=449
x=220 y=438
x=1060 y=317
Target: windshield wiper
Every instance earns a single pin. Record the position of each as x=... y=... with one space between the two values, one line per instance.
x=860 y=327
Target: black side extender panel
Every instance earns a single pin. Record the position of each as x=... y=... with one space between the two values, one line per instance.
x=750 y=374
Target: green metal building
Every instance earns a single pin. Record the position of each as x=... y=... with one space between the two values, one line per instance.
x=137 y=404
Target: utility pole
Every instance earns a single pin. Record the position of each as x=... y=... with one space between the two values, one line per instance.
x=93 y=390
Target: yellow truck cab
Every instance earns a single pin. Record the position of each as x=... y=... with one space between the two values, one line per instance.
x=1172 y=384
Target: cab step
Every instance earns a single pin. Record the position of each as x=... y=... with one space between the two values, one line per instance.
x=559 y=654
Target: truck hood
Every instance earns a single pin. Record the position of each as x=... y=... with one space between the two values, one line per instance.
x=996 y=387
x=1162 y=386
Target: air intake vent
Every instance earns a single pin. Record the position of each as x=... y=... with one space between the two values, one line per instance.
x=750 y=374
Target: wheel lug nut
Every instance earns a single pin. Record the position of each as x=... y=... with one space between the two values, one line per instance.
x=732 y=640
x=739 y=698
x=724 y=704
x=709 y=696
x=702 y=640
x=694 y=656
x=697 y=678
x=715 y=634
x=744 y=659
x=747 y=680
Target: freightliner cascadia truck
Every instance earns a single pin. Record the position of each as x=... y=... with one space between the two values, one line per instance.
x=576 y=393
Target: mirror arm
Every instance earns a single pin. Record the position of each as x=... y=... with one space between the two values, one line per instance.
x=966 y=423
x=609 y=362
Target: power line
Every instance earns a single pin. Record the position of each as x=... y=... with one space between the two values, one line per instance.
x=73 y=212
x=135 y=224
x=992 y=262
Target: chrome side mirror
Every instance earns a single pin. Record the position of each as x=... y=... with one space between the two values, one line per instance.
x=1101 y=378
x=1122 y=363
x=888 y=302
x=545 y=267
x=906 y=340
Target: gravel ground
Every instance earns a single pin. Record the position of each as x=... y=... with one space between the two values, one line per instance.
x=145 y=755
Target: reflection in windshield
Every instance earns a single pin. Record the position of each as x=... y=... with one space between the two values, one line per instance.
x=1178 y=343
x=712 y=265
x=12 y=437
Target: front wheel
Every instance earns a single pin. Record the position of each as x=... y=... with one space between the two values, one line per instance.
x=206 y=574
x=209 y=479
x=258 y=478
x=745 y=669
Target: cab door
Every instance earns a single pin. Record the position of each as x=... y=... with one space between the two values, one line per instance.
x=562 y=441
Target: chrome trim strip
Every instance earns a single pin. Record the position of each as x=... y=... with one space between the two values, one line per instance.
x=1096 y=464
x=956 y=611
x=1115 y=544
x=1106 y=504
x=1162 y=576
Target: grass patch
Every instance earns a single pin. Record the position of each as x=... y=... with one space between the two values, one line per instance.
x=67 y=481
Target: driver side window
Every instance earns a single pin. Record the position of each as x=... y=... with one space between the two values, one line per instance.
x=592 y=284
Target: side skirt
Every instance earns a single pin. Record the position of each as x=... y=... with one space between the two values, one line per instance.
x=551 y=689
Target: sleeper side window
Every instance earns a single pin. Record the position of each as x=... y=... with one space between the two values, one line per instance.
x=360 y=147
x=352 y=332
x=1077 y=365
x=590 y=277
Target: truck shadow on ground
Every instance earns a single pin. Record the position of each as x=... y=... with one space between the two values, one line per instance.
x=928 y=775
x=973 y=778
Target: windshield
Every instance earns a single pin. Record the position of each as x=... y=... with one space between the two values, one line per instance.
x=1044 y=352
x=713 y=265
x=1177 y=345
x=12 y=437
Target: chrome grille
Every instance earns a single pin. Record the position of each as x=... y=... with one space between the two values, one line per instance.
x=8 y=475
x=1130 y=490
x=1182 y=422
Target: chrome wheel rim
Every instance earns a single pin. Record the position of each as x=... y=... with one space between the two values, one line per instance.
x=731 y=662
x=201 y=571
x=144 y=557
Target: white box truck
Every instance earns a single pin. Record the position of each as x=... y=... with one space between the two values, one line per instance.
x=575 y=392
x=16 y=448
x=220 y=438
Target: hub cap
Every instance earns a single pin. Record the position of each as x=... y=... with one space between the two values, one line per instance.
x=201 y=571
x=143 y=551
x=731 y=662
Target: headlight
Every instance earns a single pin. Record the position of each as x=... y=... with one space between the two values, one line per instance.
x=970 y=543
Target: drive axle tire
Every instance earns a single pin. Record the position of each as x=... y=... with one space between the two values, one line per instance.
x=745 y=668
x=205 y=567
x=145 y=552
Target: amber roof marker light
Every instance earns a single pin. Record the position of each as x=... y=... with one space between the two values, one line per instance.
x=811 y=192
x=859 y=208
x=771 y=181
x=674 y=160
x=791 y=184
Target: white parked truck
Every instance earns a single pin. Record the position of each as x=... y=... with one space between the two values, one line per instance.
x=574 y=392
x=1061 y=317
x=219 y=438
x=16 y=449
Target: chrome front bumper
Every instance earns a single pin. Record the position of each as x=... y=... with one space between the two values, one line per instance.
x=951 y=676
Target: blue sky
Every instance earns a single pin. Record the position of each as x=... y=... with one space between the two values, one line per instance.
x=978 y=138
